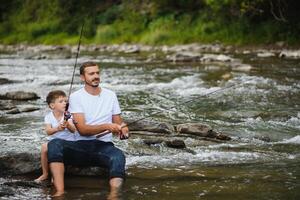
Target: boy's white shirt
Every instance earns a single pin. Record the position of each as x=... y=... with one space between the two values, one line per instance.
x=64 y=134
x=97 y=109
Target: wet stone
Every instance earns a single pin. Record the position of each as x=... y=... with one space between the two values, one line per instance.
x=198 y=129
x=6 y=191
x=177 y=144
x=151 y=126
x=13 y=111
x=29 y=109
x=20 y=95
x=5 y=81
x=6 y=105
x=152 y=141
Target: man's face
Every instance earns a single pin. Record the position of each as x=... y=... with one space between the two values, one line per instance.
x=91 y=76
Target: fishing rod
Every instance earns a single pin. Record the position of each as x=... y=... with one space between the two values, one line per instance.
x=67 y=114
x=161 y=111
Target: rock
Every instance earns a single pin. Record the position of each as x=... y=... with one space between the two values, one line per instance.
x=240 y=67
x=216 y=58
x=20 y=95
x=5 y=81
x=6 y=191
x=86 y=171
x=289 y=54
x=29 y=109
x=151 y=126
x=30 y=184
x=13 y=111
x=152 y=141
x=227 y=76
x=19 y=163
x=6 y=105
x=177 y=144
x=265 y=54
x=184 y=57
x=194 y=129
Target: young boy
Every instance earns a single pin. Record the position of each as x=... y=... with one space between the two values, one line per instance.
x=56 y=126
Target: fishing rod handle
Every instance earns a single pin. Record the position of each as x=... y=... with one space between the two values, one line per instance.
x=122 y=137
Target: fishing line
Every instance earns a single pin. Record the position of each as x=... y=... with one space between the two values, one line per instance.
x=161 y=111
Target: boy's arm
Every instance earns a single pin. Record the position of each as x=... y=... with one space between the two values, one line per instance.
x=50 y=131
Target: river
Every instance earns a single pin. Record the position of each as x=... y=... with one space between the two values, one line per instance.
x=261 y=112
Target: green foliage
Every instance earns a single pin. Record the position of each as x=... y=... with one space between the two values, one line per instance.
x=149 y=21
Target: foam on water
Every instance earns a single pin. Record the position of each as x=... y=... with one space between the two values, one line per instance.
x=293 y=140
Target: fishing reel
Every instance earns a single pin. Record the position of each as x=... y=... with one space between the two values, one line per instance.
x=67 y=115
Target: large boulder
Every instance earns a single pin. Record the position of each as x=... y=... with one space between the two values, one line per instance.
x=20 y=95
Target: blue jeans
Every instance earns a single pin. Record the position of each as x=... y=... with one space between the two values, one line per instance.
x=88 y=153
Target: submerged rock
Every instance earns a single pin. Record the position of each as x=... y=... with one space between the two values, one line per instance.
x=20 y=95
x=177 y=144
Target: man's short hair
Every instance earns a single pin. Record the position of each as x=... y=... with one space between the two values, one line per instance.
x=53 y=95
x=85 y=65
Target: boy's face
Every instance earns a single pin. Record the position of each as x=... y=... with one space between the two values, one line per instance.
x=59 y=104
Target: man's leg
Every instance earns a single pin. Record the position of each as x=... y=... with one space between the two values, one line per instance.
x=114 y=159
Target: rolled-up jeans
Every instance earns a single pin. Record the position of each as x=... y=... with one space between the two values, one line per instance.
x=88 y=153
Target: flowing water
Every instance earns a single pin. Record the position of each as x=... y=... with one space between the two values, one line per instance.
x=263 y=103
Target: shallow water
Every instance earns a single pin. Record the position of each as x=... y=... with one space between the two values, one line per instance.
x=263 y=102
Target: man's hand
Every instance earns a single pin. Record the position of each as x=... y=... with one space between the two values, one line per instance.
x=124 y=132
x=114 y=128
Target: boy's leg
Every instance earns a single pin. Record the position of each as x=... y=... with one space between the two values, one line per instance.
x=58 y=170
x=44 y=163
x=55 y=158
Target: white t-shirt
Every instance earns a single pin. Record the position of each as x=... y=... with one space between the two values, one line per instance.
x=65 y=134
x=97 y=109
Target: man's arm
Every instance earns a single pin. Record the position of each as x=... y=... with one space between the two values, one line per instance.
x=88 y=130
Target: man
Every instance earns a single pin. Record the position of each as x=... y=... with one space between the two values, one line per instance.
x=96 y=111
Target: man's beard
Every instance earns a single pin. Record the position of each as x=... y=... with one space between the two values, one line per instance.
x=91 y=83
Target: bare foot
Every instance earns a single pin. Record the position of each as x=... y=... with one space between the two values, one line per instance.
x=58 y=194
x=42 y=178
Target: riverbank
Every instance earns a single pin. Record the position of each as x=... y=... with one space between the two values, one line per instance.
x=162 y=22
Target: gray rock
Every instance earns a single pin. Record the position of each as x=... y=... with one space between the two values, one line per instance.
x=290 y=54
x=28 y=109
x=194 y=129
x=216 y=58
x=13 y=111
x=6 y=105
x=151 y=126
x=19 y=162
x=177 y=144
x=20 y=95
x=152 y=141
x=6 y=191
x=184 y=57
x=265 y=54
x=5 y=81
